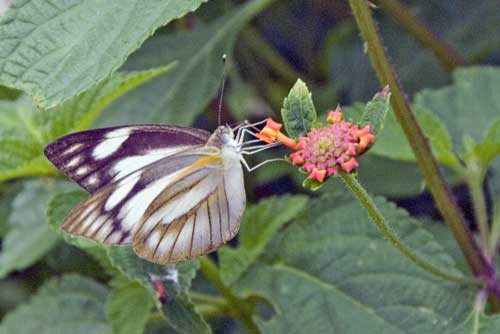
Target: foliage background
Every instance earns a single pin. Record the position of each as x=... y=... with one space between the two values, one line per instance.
x=303 y=260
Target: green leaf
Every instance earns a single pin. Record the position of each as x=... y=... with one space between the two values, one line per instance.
x=260 y=222
x=181 y=95
x=392 y=141
x=28 y=237
x=178 y=310
x=478 y=323
x=298 y=111
x=25 y=130
x=71 y=304
x=128 y=308
x=57 y=49
x=489 y=148
x=332 y=271
x=376 y=110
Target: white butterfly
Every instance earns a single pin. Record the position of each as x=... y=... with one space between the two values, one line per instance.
x=173 y=192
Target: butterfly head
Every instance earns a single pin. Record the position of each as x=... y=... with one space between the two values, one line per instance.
x=223 y=136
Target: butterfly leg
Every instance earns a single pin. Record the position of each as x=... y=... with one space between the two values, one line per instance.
x=250 y=169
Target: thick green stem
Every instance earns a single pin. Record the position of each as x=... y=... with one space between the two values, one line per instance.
x=241 y=308
x=419 y=143
x=480 y=211
x=495 y=232
x=375 y=215
x=444 y=52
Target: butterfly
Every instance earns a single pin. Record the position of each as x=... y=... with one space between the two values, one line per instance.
x=174 y=193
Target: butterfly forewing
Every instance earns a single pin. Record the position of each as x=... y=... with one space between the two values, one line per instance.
x=95 y=158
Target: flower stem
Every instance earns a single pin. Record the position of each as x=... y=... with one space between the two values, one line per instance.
x=444 y=52
x=480 y=212
x=242 y=309
x=495 y=232
x=373 y=212
x=432 y=174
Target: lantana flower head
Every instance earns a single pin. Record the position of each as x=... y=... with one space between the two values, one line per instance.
x=327 y=149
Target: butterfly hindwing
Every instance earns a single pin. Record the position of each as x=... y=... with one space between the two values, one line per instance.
x=95 y=158
x=195 y=215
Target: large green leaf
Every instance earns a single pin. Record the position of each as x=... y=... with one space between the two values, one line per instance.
x=71 y=304
x=259 y=224
x=25 y=130
x=179 y=97
x=332 y=271
x=56 y=49
x=128 y=308
x=28 y=237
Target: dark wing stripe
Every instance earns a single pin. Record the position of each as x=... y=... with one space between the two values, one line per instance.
x=220 y=217
x=161 y=238
x=209 y=221
x=177 y=238
x=192 y=235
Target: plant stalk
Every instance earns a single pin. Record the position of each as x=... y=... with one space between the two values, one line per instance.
x=495 y=232
x=373 y=212
x=419 y=143
x=445 y=53
x=480 y=211
x=240 y=307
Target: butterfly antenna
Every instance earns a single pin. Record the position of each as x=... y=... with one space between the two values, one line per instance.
x=221 y=98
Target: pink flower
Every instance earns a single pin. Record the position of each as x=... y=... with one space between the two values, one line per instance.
x=325 y=151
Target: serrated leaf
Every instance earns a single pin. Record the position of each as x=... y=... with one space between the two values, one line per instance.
x=71 y=304
x=260 y=222
x=179 y=97
x=375 y=112
x=55 y=50
x=478 y=323
x=332 y=271
x=128 y=308
x=28 y=237
x=25 y=130
x=298 y=111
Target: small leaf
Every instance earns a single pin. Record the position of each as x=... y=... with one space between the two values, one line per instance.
x=376 y=110
x=298 y=111
x=178 y=97
x=489 y=148
x=28 y=238
x=71 y=304
x=259 y=224
x=57 y=49
x=332 y=271
x=128 y=308
x=25 y=130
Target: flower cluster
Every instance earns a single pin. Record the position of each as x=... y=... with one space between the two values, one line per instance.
x=325 y=150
